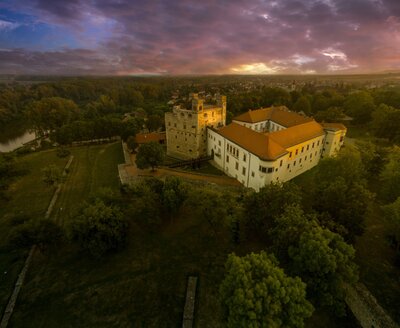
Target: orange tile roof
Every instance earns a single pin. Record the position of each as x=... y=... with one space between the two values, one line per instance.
x=257 y=143
x=334 y=126
x=297 y=134
x=280 y=115
x=148 y=137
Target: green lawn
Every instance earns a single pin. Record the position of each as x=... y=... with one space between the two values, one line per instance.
x=92 y=168
x=29 y=195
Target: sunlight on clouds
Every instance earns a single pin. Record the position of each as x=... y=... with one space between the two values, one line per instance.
x=4 y=25
x=255 y=68
x=334 y=54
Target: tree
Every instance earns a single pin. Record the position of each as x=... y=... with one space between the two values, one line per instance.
x=52 y=175
x=302 y=105
x=42 y=232
x=131 y=143
x=390 y=176
x=392 y=215
x=49 y=114
x=325 y=263
x=360 y=106
x=332 y=114
x=150 y=155
x=341 y=192
x=174 y=194
x=257 y=293
x=288 y=228
x=212 y=205
x=261 y=208
x=154 y=122
x=99 y=228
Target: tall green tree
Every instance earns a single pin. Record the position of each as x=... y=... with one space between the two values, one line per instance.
x=302 y=105
x=360 y=106
x=325 y=263
x=257 y=293
x=99 y=228
x=390 y=176
x=49 y=114
x=151 y=155
x=261 y=208
x=174 y=194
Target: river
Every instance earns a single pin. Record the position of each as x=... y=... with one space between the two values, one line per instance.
x=14 y=136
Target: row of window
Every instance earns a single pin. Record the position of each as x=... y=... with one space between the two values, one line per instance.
x=307 y=148
x=305 y=158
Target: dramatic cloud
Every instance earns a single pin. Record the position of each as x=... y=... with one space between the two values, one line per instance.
x=193 y=37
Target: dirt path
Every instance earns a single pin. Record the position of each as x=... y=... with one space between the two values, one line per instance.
x=134 y=172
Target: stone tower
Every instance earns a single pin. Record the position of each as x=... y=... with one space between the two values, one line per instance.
x=186 y=129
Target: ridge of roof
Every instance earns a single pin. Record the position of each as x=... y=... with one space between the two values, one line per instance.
x=280 y=115
x=297 y=134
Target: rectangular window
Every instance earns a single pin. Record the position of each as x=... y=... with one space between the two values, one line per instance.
x=297 y=151
x=252 y=174
x=294 y=163
x=299 y=160
x=313 y=144
x=305 y=158
x=227 y=146
x=244 y=157
x=237 y=166
x=227 y=158
x=270 y=169
x=288 y=166
x=219 y=142
x=310 y=156
x=302 y=149
x=280 y=164
x=318 y=143
x=290 y=154
x=263 y=169
x=244 y=171
x=308 y=147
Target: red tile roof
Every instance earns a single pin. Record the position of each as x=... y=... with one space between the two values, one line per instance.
x=280 y=115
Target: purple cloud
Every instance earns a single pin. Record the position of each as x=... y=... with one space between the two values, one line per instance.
x=189 y=37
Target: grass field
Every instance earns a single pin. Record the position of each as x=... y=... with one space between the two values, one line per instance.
x=30 y=196
x=93 y=167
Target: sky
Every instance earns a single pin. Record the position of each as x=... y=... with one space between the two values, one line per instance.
x=167 y=37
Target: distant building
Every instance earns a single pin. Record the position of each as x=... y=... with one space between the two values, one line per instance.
x=186 y=129
x=271 y=145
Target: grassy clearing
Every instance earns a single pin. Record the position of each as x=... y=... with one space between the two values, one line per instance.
x=30 y=196
x=93 y=168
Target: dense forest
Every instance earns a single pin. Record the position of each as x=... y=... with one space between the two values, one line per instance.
x=85 y=108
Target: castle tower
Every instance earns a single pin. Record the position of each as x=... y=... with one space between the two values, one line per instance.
x=197 y=104
x=221 y=102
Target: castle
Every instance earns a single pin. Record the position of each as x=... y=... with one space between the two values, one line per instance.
x=259 y=147
x=186 y=129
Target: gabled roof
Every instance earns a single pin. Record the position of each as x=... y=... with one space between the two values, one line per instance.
x=257 y=143
x=280 y=115
x=334 y=126
x=297 y=134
